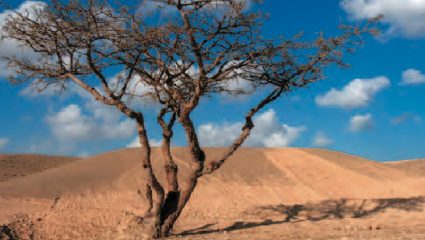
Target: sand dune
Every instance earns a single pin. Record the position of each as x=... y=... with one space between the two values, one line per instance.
x=415 y=167
x=304 y=174
x=17 y=165
x=102 y=188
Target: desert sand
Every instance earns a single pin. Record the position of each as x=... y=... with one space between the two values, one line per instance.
x=259 y=193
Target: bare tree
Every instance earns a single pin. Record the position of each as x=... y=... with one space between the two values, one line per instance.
x=196 y=54
x=67 y=37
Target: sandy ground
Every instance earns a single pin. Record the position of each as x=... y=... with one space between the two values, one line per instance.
x=260 y=193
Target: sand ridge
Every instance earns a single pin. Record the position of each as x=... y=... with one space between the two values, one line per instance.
x=414 y=167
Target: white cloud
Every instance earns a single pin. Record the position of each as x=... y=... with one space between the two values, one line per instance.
x=135 y=87
x=218 y=3
x=71 y=124
x=136 y=143
x=320 y=140
x=268 y=132
x=91 y=121
x=361 y=122
x=9 y=47
x=235 y=84
x=412 y=76
x=3 y=142
x=32 y=91
x=167 y=10
x=358 y=93
x=405 y=17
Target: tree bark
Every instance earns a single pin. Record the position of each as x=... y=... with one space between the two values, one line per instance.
x=196 y=164
x=152 y=182
x=167 y=133
x=173 y=194
x=171 y=169
x=246 y=130
x=148 y=195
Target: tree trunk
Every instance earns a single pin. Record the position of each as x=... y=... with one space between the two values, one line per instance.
x=148 y=194
x=196 y=164
x=171 y=169
x=152 y=182
x=184 y=198
x=173 y=194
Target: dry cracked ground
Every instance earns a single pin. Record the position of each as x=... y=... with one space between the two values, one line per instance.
x=260 y=193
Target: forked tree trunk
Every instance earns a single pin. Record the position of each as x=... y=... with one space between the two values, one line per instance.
x=173 y=194
x=196 y=164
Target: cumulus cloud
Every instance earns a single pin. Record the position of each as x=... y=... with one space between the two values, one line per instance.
x=268 y=132
x=136 y=143
x=3 y=142
x=405 y=17
x=32 y=90
x=148 y=6
x=137 y=87
x=236 y=84
x=71 y=124
x=412 y=76
x=358 y=93
x=10 y=47
x=321 y=140
x=134 y=87
x=361 y=123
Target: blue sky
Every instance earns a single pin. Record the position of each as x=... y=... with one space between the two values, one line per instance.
x=373 y=109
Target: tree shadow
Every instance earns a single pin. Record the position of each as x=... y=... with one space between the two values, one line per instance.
x=342 y=208
x=235 y=226
x=327 y=209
